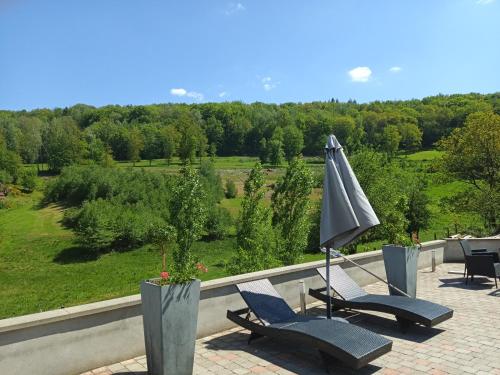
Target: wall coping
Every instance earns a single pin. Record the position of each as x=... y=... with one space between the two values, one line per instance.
x=32 y=320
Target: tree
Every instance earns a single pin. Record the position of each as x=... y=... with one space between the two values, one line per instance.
x=290 y=206
x=275 y=148
x=215 y=132
x=417 y=213
x=381 y=179
x=189 y=210
x=391 y=139
x=135 y=144
x=169 y=142
x=293 y=142
x=263 y=151
x=63 y=144
x=253 y=235
x=152 y=145
x=411 y=137
x=96 y=150
x=10 y=163
x=31 y=138
x=472 y=154
x=190 y=139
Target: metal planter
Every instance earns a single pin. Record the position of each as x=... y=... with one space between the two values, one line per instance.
x=170 y=316
x=401 y=268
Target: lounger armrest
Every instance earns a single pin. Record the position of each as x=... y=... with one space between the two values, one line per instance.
x=475 y=251
x=242 y=311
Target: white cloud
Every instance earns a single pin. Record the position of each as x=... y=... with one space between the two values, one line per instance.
x=178 y=92
x=395 y=69
x=360 y=74
x=190 y=94
x=234 y=8
x=484 y=2
x=268 y=84
x=223 y=94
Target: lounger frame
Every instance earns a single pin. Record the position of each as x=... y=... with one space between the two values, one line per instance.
x=404 y=316
x=328 y=352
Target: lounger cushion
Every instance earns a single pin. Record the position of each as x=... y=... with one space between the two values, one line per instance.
x=266 y=303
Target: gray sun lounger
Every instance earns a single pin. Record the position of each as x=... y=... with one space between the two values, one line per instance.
x=336 y=338
x=352 y=296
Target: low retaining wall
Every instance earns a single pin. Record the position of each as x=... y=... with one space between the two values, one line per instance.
x=75 y=339
x=454 y=253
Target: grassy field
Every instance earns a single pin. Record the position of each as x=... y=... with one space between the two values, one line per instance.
x=42 y=267
x=424 y=155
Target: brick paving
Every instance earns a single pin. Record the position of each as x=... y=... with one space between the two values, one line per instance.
x=469 y=343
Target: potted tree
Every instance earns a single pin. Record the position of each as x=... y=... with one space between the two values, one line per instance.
x=170 y=302
x=401 y=264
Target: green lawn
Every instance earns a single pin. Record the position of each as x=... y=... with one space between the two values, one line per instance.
x=424 y=155
x=43 y=268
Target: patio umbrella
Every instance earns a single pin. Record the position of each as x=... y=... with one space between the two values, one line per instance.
x=345 y=211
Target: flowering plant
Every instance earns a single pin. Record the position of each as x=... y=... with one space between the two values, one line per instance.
x=189 y=211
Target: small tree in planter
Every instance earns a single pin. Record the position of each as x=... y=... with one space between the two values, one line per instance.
x=400 y=255
x=170 y=303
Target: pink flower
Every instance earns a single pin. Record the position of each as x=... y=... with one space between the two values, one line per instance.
x=164 y=275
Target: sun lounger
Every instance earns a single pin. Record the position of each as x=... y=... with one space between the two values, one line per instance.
x=336 y=338
x=352 y=296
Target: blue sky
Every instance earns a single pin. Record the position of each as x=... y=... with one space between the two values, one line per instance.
x=59 y=53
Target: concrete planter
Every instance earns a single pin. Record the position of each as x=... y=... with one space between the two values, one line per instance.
x=170 y=316
x=401 y=268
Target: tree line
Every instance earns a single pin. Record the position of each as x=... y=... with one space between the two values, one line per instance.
x=63 y=136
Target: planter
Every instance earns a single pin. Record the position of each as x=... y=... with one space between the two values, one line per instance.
x=401 y=268
x=170 y=316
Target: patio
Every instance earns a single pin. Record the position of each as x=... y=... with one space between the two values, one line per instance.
x=467 y=343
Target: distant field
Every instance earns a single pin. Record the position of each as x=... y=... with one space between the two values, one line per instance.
x=43 y=268
x=424 y=155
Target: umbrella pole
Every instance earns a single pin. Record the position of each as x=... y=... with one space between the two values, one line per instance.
x=371 y=273
x=328 y=300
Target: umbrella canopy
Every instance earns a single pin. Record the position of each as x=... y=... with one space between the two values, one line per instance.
x=345 y=211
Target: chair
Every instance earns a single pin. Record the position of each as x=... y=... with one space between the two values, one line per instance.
x=335 y=338
x=483 y=265
x=352 y=296
x=468 y=251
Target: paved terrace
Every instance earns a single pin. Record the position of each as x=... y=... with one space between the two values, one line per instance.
x=467 y=343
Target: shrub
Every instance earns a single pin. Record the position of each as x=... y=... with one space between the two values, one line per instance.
x=95 y=224
x=5 y=177
x=28 y=180
x=218 y=222
x=231 y=190
x=212 y=183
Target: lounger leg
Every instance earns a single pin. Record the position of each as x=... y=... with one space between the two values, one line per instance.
x=327 y=359
x=403 y=323
x=253 y=336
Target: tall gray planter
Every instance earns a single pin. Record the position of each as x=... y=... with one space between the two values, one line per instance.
x=401 y=264
x=170 y=316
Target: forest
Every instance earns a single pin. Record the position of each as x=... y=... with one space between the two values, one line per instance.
x=275 y=133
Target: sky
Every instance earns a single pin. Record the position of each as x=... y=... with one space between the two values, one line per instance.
x=58 y=53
